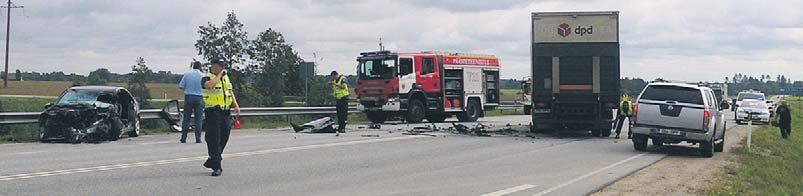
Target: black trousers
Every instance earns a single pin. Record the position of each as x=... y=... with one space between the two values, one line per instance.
x=786 y=129
x=217 y=125
x=620 y=121
x=342 y=112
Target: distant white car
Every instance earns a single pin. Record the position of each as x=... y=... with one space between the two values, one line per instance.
x=759 y=109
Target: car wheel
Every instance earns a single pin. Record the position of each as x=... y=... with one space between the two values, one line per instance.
x=415 y=111
x=640 y=142
x=116 y=129
x=707 y=148
x=136 y=128
x=43 y=132
x=377 y=117
x=472 y=112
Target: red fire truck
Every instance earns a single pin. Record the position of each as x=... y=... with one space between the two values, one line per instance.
x=426 y=85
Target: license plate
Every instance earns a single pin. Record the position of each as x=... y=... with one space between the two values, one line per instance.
x=669 y=132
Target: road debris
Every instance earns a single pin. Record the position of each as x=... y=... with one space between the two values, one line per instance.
x=322 y=125
x=369 y=135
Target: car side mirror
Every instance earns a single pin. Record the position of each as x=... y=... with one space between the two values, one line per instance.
x=48 y=105
x=724 y=106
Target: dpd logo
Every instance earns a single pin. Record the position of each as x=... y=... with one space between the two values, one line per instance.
x=564 y=30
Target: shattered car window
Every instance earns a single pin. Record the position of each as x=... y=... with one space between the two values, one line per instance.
x=79 y=97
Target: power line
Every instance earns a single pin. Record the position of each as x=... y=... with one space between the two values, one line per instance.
x=8 y=32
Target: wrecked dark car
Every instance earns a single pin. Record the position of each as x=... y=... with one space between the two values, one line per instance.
x=90 y=114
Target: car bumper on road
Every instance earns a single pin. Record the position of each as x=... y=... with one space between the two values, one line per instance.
x=670 y=133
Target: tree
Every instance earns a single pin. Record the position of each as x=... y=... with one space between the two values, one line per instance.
x=229 y=41
x=275 y=67
x=139 y=76
x=101 y=74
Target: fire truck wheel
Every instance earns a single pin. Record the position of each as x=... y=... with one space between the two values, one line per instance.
x=527 y=109
x=377 y=117
x=472 y=112
x=415 y=114
x=437 y=118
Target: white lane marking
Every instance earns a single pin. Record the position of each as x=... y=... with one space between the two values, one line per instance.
x=588 y=175
x=510 y=190
x=187 y=159
x=162 y=142
x=24 y=153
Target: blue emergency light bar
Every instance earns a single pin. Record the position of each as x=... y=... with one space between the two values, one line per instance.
x=374 y=53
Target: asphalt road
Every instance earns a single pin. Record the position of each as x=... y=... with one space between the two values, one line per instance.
x=360 y=162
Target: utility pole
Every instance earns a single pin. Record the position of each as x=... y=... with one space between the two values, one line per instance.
x=8 y=31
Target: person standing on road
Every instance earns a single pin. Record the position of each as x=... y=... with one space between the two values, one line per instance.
x=625 y=110
x=783 y=116
x=218 y=98
x=193 y=101
x=340 y=90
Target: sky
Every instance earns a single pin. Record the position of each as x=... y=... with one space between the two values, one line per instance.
x=671 y=39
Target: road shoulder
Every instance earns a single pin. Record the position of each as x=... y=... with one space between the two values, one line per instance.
x=682 y=172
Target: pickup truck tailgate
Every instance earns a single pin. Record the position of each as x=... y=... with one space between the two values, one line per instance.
x=670 y=114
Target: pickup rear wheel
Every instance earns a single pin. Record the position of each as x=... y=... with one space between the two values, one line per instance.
x=719 y=147
x=707 y=148
x=415 y=112
x=640 y=142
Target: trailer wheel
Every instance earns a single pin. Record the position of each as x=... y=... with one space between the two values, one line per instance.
x=472 y=112
x=415 y=112
x=377 y=117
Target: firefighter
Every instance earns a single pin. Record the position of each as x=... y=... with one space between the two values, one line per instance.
x=340 y=90
x=218 y=98
x=625 y=111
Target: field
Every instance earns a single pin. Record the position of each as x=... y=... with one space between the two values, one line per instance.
x=54 y=88
x=774 y=166
x=509 y=95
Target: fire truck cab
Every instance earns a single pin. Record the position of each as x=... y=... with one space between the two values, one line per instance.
x=426 y=85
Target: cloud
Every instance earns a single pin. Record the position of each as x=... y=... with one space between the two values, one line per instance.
x=662 y=38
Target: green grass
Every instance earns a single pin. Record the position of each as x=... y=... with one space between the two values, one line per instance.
x=774 y=166
x=12 y=104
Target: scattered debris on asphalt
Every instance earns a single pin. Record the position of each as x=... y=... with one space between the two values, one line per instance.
x=375 y=126
x=322 y=125
x=369 y=135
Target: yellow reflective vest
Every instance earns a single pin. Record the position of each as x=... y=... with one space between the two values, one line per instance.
x=220 y=95
x=337 y=91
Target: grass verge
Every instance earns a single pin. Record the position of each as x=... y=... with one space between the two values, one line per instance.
x=774 y=166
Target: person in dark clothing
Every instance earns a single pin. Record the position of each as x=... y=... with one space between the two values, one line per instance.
x=783 y=116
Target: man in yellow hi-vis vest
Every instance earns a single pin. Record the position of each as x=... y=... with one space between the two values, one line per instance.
x=625 y=110
x=218 y=98
x=340 y=90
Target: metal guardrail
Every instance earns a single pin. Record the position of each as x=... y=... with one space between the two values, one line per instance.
x=145 y=114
